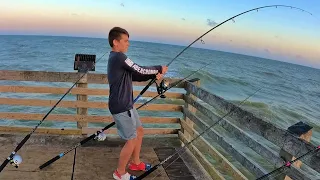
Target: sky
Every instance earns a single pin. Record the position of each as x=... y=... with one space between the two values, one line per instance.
x=280 y=33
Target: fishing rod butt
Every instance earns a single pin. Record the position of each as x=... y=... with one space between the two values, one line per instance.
x=49 y=162
x=145 y=174
x=3 y=165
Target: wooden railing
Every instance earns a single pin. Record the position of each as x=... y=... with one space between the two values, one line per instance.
x=257 y=146
x=240 y=146
x=80 y=104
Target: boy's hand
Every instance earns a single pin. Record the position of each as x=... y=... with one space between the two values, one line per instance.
x=159 y=76
x=164 y=69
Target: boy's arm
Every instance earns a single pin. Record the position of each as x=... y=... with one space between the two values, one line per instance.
x=138 y=77
x=136 y=69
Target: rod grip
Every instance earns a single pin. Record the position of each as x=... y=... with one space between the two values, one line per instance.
x=49 y=162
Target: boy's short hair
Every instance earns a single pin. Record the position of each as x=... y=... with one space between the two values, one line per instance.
x=115 y=33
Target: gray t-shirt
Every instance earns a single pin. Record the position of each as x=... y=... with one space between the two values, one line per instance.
x=121 y=72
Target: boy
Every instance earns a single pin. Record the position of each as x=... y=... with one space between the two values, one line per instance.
x=121 y=72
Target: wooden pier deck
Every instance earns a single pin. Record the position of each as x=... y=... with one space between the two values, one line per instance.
x=95 y=160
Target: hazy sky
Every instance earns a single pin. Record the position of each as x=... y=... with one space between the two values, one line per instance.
x=277 y=33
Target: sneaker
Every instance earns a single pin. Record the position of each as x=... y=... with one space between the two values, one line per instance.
x=126 y=176
x=139 y=167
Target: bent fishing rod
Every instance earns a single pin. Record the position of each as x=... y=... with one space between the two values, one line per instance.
x=26 y=138
x=153 y=80
x=199 y=38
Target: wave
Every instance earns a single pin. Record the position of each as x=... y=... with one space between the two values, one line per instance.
x=208 y=78
x=259 y=105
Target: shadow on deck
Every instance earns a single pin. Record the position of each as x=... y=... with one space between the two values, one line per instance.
x=94 y=160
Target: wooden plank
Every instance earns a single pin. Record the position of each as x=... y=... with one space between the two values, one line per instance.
x=192 y=109
x=259 y=148
x=45 y=76
x=92 y=163
x=74 y=118
x=78 y=90
x=175 y=170
x=238 y=155
x=40 y=130
x=278 y=136
x=87 y=130
x=82 y=98
x=100 y=163
x=215 y=174
x=205 y=146
x=75 y=104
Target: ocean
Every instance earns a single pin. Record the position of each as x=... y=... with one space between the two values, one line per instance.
x=290 y=93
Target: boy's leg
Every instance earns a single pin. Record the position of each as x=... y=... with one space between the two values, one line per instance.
x=137 y=148
x=136 y=163
x=126 y=127
x=125 y=155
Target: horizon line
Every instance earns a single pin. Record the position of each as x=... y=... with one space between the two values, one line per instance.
x=155 y=42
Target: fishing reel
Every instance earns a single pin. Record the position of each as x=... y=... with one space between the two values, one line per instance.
x=162 y=87
x=101 y=137
x=16 y=161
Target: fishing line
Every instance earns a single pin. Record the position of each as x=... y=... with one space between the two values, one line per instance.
x=25 y=139
x=74 y=163
x=145 y=174
x=200 y=38
x=286 y=163
x=289 y=163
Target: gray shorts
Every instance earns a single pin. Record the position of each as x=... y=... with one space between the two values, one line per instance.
x=127 y=123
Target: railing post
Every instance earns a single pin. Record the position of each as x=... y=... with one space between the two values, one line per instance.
x=189 y=122
x=83 y=83
x=303 y=131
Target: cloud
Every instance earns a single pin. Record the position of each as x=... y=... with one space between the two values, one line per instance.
x=277 y=37
x=74 y=14
x=211 y=23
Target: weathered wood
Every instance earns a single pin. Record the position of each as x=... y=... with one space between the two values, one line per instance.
x=84 y=130
x=238 y=155
x=82 y=98
x=73 y=118
x=78 y=90
x=72 y=77
x=92 y=163
x=288 y=157
x=192 y=109
x=175 y=170
x=278 y=136
x=74 y=104
x=57 y=140
x=40 y=130
x=87 y=130
x=259 y=148
x=204 y=162
x=205 y=146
